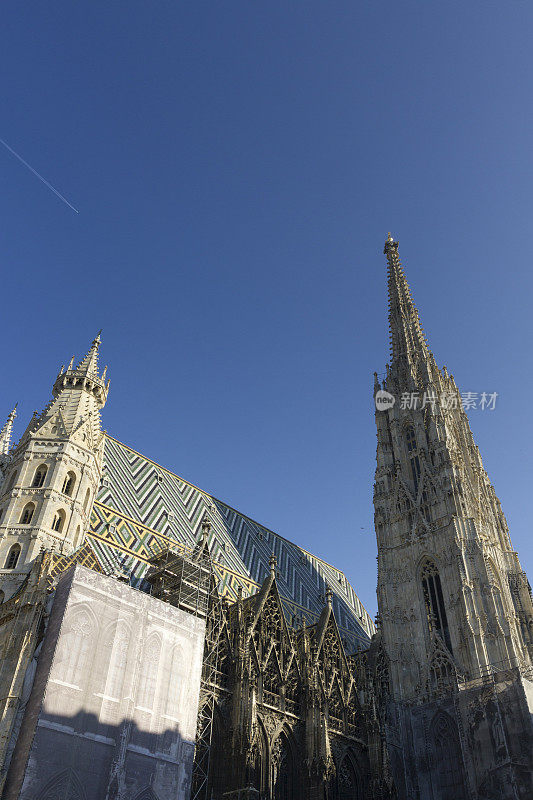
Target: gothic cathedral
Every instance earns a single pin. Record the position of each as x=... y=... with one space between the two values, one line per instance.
x=156 y=644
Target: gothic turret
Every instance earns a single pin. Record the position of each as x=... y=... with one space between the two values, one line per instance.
x=452 y=596
x=53 y=473
x=5 y=444
x=6 y=433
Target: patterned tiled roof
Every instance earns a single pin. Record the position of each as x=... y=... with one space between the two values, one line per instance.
x=142 y=507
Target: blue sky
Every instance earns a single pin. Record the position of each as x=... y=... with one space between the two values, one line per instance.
x=236 y=167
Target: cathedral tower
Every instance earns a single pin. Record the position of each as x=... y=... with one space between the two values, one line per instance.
x=50 y=478
x=455 y=607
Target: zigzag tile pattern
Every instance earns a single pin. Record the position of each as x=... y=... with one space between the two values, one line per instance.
x=142 y=507
x=84 y=555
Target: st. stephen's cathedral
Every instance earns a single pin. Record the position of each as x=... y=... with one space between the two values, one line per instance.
x=156 y=644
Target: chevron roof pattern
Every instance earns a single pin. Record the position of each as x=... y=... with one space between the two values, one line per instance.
x=142 y=507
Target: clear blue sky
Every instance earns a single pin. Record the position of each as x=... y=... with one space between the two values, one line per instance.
x=236 y=167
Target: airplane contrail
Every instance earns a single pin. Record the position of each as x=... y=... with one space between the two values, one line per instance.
x=64 y=199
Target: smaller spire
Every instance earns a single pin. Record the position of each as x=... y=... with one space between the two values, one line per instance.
x=6 y=432
x=89 y=364
x=206 y=530
x=272 y=563
x=329 y=593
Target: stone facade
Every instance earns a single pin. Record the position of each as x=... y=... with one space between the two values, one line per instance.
x=306 y=700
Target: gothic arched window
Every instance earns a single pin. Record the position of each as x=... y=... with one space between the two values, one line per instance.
x=12 y=557
x=27 y=514
x=59 y=520
x=442 y=672
x=348 y=785
x=284 y=780
x=434 y=602
x=496 y=587
x=68 y=483
x=87 y=498
x=75 y=647
x=414 y=460
x=175 y=680
x=448 y=758
x=117 y=642
x=65 y=785
x=40 y=475
x=147 y=794
x=149 y=669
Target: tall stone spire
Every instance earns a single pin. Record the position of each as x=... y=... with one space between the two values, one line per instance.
x=411 y=359
x=453 y=599
x=6 y=433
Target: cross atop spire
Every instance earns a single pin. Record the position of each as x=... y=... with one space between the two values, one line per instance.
x=6 y=433
x=409 y=349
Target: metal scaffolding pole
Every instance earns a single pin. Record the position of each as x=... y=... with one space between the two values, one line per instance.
x=187 y=580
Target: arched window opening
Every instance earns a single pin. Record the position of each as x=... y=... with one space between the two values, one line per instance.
x=283 y=770
x=442 y=674
x=117 y=642
x=434 y=603
x=149 y=670
x=87 y=498
x=175 y=686
x=68 y=484
x=447 y=758
x=414 y=460
x=58 y=521
x=40 y=475
x=75 y=648
x=65 y=785
x=12 y=557
x=348 y=784
x=27 y=514
x=147 y=794
x=496 y=588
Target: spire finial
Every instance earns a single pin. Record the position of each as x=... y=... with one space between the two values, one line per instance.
x=390 y=244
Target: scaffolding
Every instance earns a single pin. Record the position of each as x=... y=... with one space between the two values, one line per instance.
x=187 y=580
